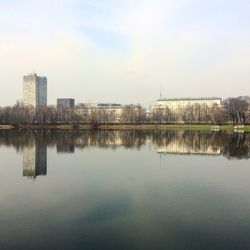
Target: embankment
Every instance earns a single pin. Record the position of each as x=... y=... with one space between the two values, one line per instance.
x=130 y=127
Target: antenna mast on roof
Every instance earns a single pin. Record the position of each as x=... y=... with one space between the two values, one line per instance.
x=160 y=92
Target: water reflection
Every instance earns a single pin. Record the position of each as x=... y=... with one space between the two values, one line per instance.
x=35 y=160
x=115 y=196
x=182 y=143
x=65 y=143
x=33 y=143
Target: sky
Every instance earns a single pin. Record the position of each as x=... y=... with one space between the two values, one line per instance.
x=126 y=51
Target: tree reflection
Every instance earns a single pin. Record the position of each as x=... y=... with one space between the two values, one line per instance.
x=229 y=144
x=237 y=147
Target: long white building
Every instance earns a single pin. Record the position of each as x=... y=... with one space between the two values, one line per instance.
x=175 y=104
x=34 y=90
x=114 y=112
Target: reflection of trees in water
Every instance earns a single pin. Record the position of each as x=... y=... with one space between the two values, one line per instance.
x=231 y=145
x=78 y=138
x=106 y=138
x=191 y=140
x=24 y=138
x=237 y=147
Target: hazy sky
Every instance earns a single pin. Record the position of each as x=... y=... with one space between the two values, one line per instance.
x=124 y=50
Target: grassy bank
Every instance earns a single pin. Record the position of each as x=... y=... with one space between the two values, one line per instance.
x=158 y=126
x=162 y=127
x=6 y=127
x=68 y=126
x=173 y=127
x=130 y=127
x=62 y=126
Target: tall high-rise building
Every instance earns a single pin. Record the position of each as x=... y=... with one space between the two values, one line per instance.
x=35 y=90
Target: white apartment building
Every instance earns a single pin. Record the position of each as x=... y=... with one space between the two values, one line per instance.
x=110 y=112
x=101 y=109
x=34 y=90
x=175 y=104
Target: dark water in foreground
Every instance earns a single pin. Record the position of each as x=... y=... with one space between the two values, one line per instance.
x=124 y=190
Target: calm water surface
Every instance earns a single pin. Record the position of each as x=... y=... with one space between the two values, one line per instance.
x=124 y=190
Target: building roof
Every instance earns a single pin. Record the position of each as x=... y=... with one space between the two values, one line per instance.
x=189 y=99
x=108 y=105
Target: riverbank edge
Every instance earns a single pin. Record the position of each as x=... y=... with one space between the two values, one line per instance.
x=129 y=127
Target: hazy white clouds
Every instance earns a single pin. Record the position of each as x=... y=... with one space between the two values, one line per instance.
x=124 y=50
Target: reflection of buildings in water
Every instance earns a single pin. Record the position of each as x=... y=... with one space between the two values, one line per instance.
x=35 y=161
x=65 y=143
x=176 y=147
x=113 y=141
x=65 y=148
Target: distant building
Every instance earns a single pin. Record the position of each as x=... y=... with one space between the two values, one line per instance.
x=179 y=103
x=174 y=109
x=112 y=110
x=34 y=90
x=109 y=105
x=66 y=102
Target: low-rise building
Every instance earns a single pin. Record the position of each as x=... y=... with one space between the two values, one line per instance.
x=184 y=109
x=109 y=112
x=180 y=103
x=101 y=112
x=66 y=102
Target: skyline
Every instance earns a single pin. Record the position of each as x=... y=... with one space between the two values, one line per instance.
x=121 y=51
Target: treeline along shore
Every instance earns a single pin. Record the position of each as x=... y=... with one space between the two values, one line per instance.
x=203 y=143
x=233 y=113
x=201 y=127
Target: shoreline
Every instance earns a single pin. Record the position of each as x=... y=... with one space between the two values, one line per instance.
x=197 y=127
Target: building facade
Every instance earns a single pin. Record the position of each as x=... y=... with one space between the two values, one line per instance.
x=66 y=102
x=184 y=110
x=101 y=112
x=110 y=112
x=34 y=90
x=180 y=103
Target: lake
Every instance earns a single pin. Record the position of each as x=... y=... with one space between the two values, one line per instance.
x=101 y=189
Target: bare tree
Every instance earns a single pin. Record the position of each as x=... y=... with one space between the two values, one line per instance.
x=237 y=108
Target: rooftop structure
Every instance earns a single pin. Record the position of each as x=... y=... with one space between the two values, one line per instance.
x=189 y=99
x=109 y=105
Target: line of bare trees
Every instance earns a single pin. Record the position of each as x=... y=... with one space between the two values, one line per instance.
x=233 y=111
x=20 y=114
